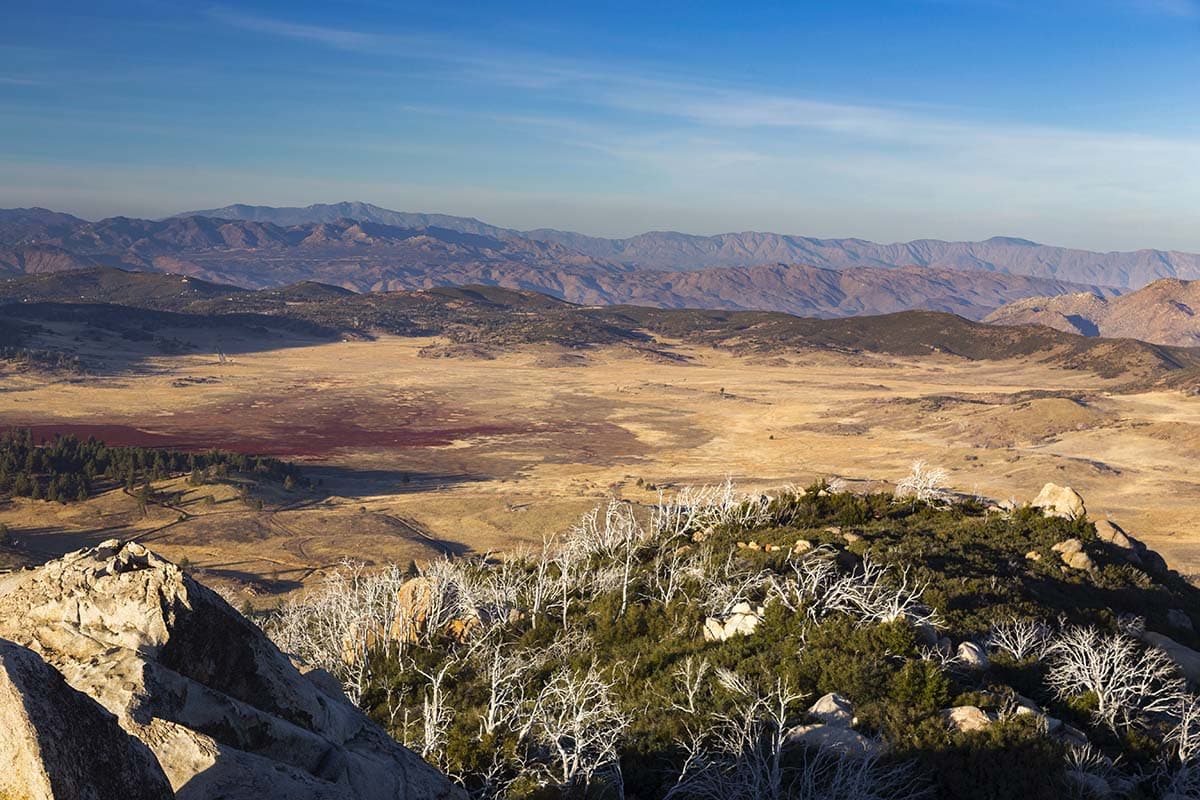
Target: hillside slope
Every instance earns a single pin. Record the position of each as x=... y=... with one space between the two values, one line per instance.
x=815 y=291
x=1164 y=312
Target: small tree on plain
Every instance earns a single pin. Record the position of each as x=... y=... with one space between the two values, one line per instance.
x=925 y=484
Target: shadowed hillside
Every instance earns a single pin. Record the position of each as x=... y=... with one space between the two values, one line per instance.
x=496 y=317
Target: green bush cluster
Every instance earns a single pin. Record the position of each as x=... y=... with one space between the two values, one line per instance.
x=973 y=568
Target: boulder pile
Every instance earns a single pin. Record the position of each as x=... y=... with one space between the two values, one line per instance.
x=741 y=620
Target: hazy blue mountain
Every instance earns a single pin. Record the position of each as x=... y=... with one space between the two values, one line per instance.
x=360 y=212
x=666 y=250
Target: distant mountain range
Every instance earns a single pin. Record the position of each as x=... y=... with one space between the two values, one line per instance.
x=665 y=250
x=1165 y=312
x=363 y=247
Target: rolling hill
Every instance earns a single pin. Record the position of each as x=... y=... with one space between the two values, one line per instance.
x=1164 y=312
x=491 y=316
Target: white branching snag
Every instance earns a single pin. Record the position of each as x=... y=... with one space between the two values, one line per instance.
x=871 y=593
x=925 y=483
x=575 y=720
x=1129 y=680
x=698 y=509
x=436 y=713
x=1181 y=776
x=336 y=626
x=691 y=681
x=740 y=755
x=505 y=671
x=1020 y=638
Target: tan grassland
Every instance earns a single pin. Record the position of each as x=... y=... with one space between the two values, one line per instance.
x=418 y=456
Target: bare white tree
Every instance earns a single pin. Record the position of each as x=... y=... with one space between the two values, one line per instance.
x=945 y=657
x=454 y=594
x=542 y=580
x=575 y=721
x=1129 y=680
x=436 y=715
x=1020 y=638
x=338 y=624
x=691 y=680
x=505 y=586
x=698 y=509
x=877 y=593
x=1180 y=773
x=1185 y=735
x=671 y=570
x=1086 y=769
x=729 y=583
x=924 y=483
x=740 y=756
x=505 y=670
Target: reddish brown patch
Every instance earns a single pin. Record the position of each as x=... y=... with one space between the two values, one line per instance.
x=284 y=428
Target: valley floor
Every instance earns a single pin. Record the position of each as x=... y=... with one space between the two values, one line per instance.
x=417 y=455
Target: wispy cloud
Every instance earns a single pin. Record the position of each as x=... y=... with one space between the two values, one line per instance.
x=734 y=145
x=331 y=37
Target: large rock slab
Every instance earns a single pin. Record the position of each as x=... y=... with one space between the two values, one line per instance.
x=59 y=744
x=972 y=656
x=833 y=738
x=966 y=719
x=1187 y=659
x=225 y=712
x=1060 y=501
x=833 y=709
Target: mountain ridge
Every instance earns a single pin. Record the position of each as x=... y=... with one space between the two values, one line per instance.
x=387 y=251
x=673 y=250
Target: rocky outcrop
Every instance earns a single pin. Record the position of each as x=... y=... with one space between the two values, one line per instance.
x=1133 y=549
x=833 y=709
x=1073 y=554
x=833 y=738
x=740 y=621
x=223 y=710
x=59 y=744
x=1060 y=501
x=973 y=656
x=966 y=719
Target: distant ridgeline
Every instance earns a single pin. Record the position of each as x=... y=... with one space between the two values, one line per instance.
x=67 y=468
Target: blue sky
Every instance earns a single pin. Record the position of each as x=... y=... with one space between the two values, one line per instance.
x=1068 y=122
